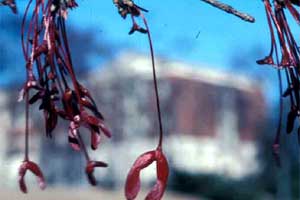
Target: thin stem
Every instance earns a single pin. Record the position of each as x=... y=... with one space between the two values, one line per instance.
x=229 y=9
x=290 y=84
x=23 y=30
x=69 y=60
x=26 y=157
x=82 y=145
x=273 y=41
x=284 y=49
x=155 y=83
x=291 y=41
x=276 y=143
x=278 y=131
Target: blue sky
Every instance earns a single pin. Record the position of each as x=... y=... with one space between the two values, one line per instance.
x=190 y=31
x=175 y=27
x=187 y=30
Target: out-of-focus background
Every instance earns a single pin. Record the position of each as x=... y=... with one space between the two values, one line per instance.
x=220 y=109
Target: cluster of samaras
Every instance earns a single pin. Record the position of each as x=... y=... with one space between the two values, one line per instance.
x=285 y=55
x=51 y=81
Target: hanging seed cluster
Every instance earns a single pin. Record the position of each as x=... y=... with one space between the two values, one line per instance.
x=133 y=184
x=285 y=56
x=52 y=83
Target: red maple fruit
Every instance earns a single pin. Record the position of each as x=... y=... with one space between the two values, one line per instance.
x=89 y=170
x=132 y=186
x=34 y=168
x=133 y=183
x=284 y=56
x=52 y=82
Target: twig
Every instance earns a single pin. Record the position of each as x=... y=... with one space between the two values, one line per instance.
x=229 y=9
x=155 y=84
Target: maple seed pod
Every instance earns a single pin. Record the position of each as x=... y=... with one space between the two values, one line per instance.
x=34 y=168
x=73 y=141
x=266 y=61
x=11 y=4
x=133 y=183
x=89 y=170
x=291 y=120
x=95 y=140
x=136 y=27
x=105 y=130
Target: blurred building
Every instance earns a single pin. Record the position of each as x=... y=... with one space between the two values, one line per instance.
x=211 y=121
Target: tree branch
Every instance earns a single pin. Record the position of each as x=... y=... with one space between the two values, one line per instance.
x=229 y=9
